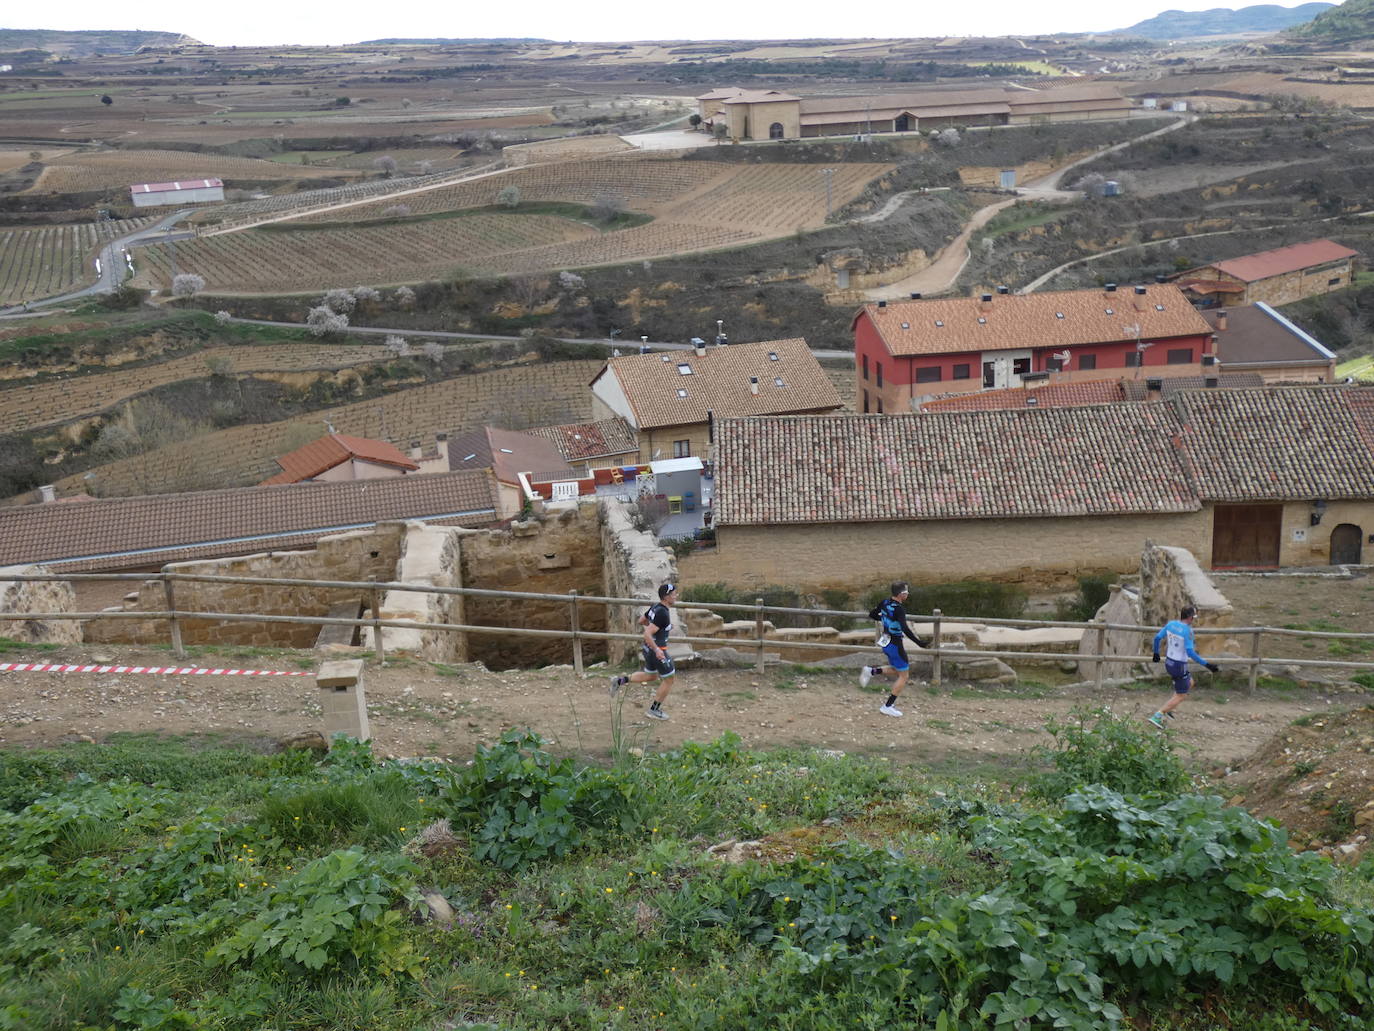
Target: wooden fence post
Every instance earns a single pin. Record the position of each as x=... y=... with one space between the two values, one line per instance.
x=374 y=603
x=175 y=624
x=1100 y=649
x=1253 y=681
x=576 y=626
x=758 y=629
x=936 y=666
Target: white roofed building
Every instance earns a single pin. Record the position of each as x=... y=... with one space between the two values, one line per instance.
x=191 y=191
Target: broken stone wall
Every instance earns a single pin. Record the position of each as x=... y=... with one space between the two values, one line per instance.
x=429 y=555
x=346 y=556
x=37 y=596
x=554 y=552
x=1171 y=578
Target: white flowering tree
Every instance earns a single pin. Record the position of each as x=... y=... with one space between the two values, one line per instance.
x=187 y=283
x=323 y=321
x=398 y=346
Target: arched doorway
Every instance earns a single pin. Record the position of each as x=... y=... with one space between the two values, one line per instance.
x=902 y=124
x=1345 y=545
x=775 y=131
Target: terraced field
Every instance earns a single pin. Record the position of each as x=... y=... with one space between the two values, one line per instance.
x=119 y=169
x=514 y=397
x=48 y=260
x=27 y=406
x=697 y=206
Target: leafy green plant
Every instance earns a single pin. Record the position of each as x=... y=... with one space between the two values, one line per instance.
x=523 y=806
x=1096 y=746
x=339 y=908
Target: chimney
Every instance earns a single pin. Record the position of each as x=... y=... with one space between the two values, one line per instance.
x=46 y=494
x=1211 y=382
x=415 y=450
x=915 y=295
x=1154 y=389
x=441 y=444
x=1003 y=290
x=1221 y=321
x=882 y=304
x=1111 y=288
x=1140 y=291
x=753 y=384
x=1160 y=277
x=985 y=302
x=699 y=346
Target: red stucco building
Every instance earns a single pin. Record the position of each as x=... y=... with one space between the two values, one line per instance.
x=905 y=351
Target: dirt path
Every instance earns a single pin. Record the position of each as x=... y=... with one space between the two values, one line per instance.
x=420 y=709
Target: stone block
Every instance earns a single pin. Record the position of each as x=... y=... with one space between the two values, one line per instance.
x=342 y=699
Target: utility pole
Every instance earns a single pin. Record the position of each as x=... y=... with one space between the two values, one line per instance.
x=829 y=174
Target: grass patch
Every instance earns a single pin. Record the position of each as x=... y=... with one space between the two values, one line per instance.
x=9 y=644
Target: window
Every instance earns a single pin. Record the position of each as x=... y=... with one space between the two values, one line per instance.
x=1180 y=355
x=982 y=321
x=682 y=449
x=880 y=373
x=1054 y=364
x=1133 y=359
x=865 y=366
x=777 y=382
x=775 y=131
x=682 y=393
x=961 y=371
x=880 y=406
x=929 y=374
x=684 y=369
x=1020 y=366
x=865 y=401
x=1087 y=361
x=1334 y=282
x=772 y=356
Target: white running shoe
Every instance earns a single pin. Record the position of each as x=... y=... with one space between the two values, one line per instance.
x=890 y=710
x=656 y=714
x=865 y=675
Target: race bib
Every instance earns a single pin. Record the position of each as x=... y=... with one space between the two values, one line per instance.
x=884 y=640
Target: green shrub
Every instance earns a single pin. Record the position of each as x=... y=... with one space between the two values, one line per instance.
x=1093 y=592
x=1095 y=746
x=523 y=806
x=337 y=910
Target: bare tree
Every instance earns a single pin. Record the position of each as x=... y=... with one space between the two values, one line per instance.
x=184 y=284
x=396 y=211
x=143 y=428
x=606 y=206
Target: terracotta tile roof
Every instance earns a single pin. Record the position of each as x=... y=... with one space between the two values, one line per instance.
x=1108 y=460
x=1139 y=389
x=579 y=441
x=942 y=103
x=334 y=449
x=719 y=383
x=1279 y=443
x=114 y=533
x=758 y=96
x=1092 y=392
x=508 y=453
x=1257 y=334
x=1253 y=267
x=952 y=326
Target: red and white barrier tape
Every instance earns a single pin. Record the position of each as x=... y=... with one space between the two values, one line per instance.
x=57 y=667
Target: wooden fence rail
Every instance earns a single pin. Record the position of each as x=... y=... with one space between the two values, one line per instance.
x=1096 y=657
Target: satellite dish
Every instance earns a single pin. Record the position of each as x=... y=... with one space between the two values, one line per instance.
x=1142 y=346
x=1060 y=356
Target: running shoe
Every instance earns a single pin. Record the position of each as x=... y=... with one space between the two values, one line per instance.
x=1158 y=720
x=865 y=675
x=656 y=714
x=617 y=683
x=890 y=710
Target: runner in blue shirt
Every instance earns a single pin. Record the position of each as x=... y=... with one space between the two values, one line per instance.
x=890 y=614
x=1178 y=637
x=657 y=622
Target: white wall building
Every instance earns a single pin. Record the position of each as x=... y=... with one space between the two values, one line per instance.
x=194 y=191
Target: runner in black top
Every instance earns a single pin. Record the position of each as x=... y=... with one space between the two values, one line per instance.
x=657 y=622
x=890 y=614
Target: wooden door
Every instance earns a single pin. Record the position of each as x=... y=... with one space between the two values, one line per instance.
x=1246 y=535
x=1345 y=545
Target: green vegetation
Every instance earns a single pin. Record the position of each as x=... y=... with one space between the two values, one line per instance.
x=583 y=213
x=156 y=885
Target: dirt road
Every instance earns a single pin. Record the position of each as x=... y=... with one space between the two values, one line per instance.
x=422 y=709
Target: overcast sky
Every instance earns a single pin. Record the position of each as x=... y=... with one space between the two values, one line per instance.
x=260 y=22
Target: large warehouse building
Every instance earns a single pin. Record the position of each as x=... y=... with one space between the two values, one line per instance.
x=194 y=191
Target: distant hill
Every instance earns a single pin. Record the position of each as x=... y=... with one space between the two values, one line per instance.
x=1260 y=19
x=442 y=42
x=87 y=42
x=1351 y=21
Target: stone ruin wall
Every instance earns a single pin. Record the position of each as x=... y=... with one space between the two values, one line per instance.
x=37 y=596
x=554 y=552
x=633 y=565
x=357 y=556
